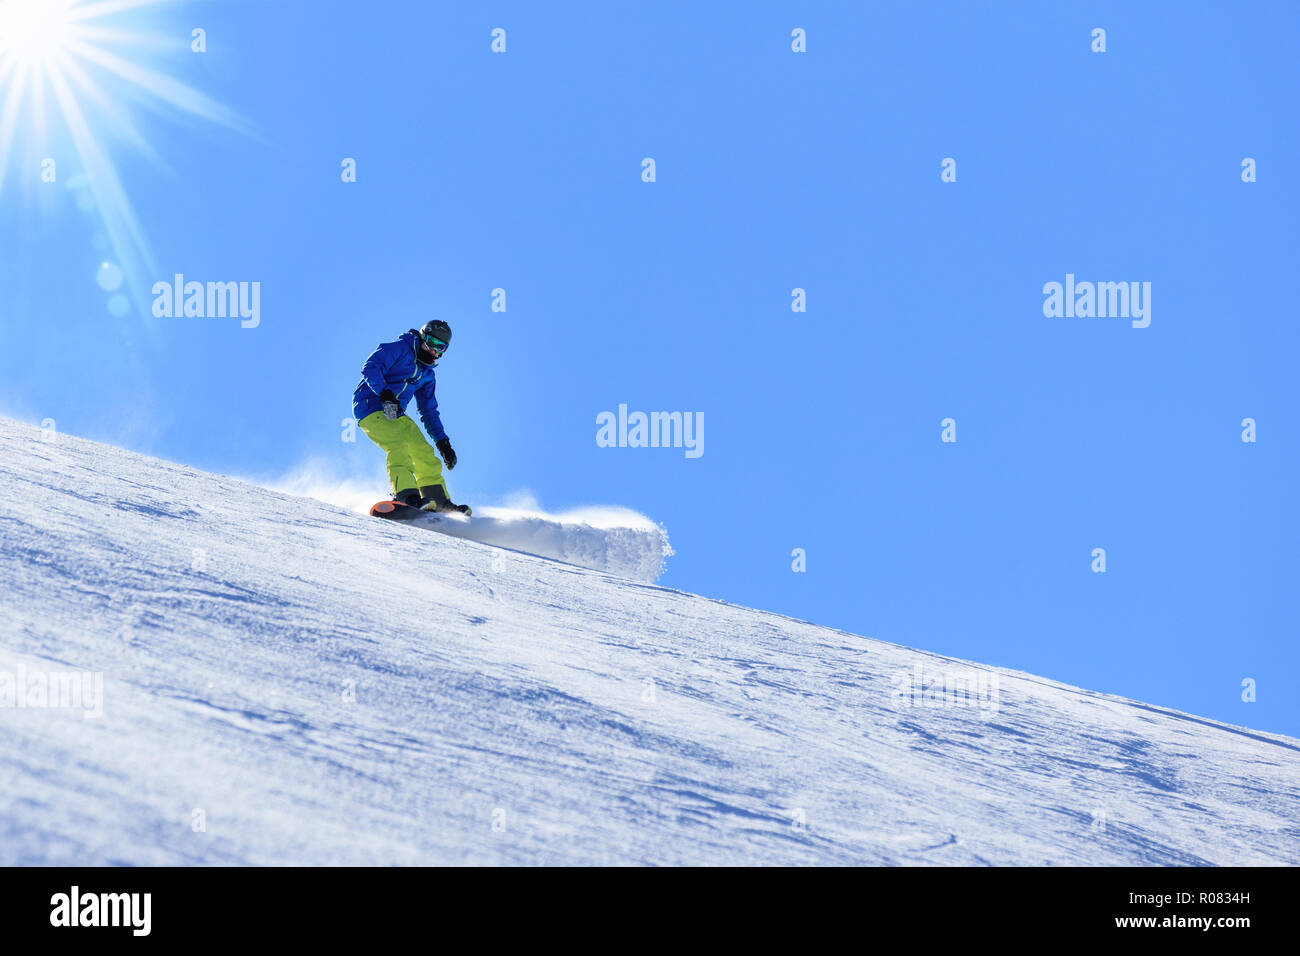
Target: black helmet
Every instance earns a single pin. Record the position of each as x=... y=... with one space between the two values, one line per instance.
x=435 y=339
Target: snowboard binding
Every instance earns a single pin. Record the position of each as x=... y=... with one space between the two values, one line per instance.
x=434 y=498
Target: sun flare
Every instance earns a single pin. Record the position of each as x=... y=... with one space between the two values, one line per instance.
x=32 y=30
x=71 y=72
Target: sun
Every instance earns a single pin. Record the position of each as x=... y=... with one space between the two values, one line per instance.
x=74 y=75
x=32 y=30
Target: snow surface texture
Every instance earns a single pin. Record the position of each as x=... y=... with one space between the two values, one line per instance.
x=287 y=682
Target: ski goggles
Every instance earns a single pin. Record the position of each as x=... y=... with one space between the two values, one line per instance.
x=434 y=344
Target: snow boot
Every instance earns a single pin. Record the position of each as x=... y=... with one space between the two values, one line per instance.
x=434 y=498
x=410 y=496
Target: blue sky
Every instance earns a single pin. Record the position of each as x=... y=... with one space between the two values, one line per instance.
x=775 y=170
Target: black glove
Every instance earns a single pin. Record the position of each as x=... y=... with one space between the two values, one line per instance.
x=392 y=409
x=448 y=453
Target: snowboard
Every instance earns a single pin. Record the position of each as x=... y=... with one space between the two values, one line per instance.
x=396 y=511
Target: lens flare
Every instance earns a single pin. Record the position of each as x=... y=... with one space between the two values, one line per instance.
x=74 y=69
x=33 y=30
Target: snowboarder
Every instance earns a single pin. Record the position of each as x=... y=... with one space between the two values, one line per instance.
x=394 y=374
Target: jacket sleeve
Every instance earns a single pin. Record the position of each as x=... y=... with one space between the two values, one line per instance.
x=374 y=373
x=428 y=406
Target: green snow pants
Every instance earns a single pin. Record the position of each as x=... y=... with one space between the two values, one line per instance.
x=412 y=461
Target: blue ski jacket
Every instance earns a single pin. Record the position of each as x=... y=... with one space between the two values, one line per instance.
x=393 y=366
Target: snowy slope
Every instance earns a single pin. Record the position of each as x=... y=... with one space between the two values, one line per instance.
x=285 y=681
